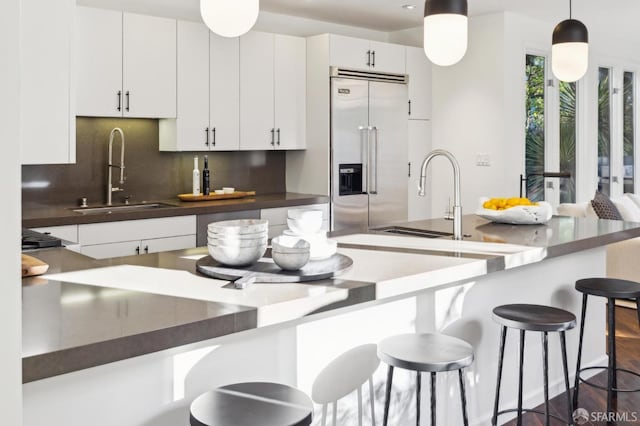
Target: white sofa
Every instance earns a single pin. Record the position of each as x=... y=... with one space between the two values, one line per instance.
x=622 y=257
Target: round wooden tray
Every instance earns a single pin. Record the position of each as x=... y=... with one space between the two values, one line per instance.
x=266 y=271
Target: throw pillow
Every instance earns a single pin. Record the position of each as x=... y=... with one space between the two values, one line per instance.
x=604 y=208
x=629 y=211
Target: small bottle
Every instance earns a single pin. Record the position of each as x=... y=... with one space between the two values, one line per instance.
x=205 y=177
x=196 y=177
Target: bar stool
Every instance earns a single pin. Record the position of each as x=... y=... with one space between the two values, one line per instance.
x=425 y=352
x=543 y=319
x=612 y=289
x=251 y=404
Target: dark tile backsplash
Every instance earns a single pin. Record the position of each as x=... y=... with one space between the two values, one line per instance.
x=150 y=174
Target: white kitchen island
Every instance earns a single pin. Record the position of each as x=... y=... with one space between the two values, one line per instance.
x=132 y=341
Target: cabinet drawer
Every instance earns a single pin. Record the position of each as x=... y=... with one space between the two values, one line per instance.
x=66 y=232
x=129 y=230
x=278 y=216
x=156 y=245
x=106 y=251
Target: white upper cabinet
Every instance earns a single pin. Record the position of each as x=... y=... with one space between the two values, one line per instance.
x=419 y=70
x=350 y=52
x=208 y=93
x=47 y=97
x=272 y=91
x=126 y=64
x=224 y=99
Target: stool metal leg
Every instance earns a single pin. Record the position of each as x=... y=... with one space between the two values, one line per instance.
x=463 y=399
x=638 y=309
x=418 y=385
x=387 y=396
x=433 y=399
x=503 y=336
x=565 y=369
x=359 y=393
x=611 y=323
x=372 y=397
x=520 y=377
x=545 y=372
x=577 y=381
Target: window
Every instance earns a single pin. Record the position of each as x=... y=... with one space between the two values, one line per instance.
x=535 y=126
x=604 y=130
x=628 y=130
x=568 y=134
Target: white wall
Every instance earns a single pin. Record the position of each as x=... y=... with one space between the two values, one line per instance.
x=10 y=303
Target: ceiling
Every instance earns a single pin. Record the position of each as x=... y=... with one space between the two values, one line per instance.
x=388 y=15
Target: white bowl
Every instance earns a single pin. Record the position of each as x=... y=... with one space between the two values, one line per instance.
x=239 y=226
x=305 y=214
x=219 y=191
x=227 y=242
x=228 y=190
x=237 y=256
x=289 y=244
x=313 y=237
x=245 y=236
x=305 y=225
x=290 y=253
x=324 y=250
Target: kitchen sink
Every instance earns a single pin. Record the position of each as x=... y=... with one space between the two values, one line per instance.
x=121 y=208
x=413 y=232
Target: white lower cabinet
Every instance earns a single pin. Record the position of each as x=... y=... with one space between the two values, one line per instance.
x=277 y=217
x=130 y=237
x=66 y=232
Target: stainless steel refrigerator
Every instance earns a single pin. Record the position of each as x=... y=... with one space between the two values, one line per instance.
x=369 y=144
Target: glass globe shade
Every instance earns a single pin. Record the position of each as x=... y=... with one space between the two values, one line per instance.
x=445 y=38
x=229 y=18
x=569 y=61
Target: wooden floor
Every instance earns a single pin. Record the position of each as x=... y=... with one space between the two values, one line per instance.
x=595 y=400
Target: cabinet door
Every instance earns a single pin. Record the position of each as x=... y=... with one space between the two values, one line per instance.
x=419 y=70
x=349 y=52
x=98 y=62
x=387 y=57
x=149 y=66
x=419 y=147
x=108 y=250
x=224 y=99
x=48 y=126
x=193 y=87
x=256 y=91
x=156 y=245
x=290 y=91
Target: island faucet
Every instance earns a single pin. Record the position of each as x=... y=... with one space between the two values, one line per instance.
x=110 y=188
x=457 y=208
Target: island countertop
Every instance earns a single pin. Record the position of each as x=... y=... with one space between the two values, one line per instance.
x=86 y=312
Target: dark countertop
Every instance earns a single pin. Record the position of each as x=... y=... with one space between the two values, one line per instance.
x=69 y=327
x=47 y=215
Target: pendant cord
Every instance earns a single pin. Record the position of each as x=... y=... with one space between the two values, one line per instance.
x=570 y=2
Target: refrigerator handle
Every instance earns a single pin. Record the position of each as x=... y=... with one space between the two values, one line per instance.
x=364 y=150
x=373 y=180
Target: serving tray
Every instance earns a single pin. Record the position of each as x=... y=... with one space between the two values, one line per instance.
x=211 y=197
x=266 y=271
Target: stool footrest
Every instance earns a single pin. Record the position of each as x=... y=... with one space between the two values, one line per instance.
x=531 y=410
x=586 y=381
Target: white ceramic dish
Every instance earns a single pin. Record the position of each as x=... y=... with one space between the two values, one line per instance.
x=237 y=256
x=239 y=226
x=246 y=236
x=289 y=244
x=228 y=190
x=219 y=191
x=228 y=242
x=309 y=214
x=324 y=250
x=290 y=253
x=305 y=225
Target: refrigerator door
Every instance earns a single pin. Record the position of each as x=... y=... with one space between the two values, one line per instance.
x=349 y=118
x=388 y=173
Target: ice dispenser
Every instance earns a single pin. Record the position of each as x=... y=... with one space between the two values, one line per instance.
x=350 y=179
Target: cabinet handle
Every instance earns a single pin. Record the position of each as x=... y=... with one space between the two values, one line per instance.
x=127 y=98
x=273 y=137
x=373 y=55
x=409 y=175
x=214 y=136
x=206 y=132
x=138 y=250
x=368 y=58
x=409 y=106
x=119 y=107
x=146 y=249
x=278 y=136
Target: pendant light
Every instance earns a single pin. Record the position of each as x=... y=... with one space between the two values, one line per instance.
x=570 y=49
x=229 y=18
x=445 y=31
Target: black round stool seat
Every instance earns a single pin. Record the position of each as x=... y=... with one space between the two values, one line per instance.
x=609 y=287
x=534 y=317
x=251 y=404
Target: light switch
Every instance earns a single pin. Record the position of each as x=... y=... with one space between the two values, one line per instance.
x=483 y=160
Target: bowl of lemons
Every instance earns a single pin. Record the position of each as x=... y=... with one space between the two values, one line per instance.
x=514 y=210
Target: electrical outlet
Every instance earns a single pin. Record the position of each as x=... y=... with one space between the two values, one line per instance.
x=483 y=160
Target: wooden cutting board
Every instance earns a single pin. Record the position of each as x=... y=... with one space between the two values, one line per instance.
x=32 y=266
x=212 y=196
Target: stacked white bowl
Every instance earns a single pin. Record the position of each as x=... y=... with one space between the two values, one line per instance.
x=238 y=242
x=306 y=224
